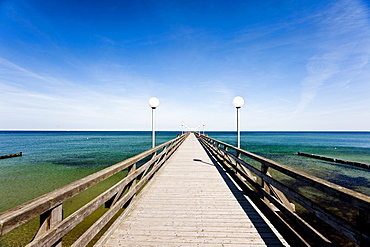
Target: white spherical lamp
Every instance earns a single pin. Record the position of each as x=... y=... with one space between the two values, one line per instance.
x=238 y=101
x=153 y=102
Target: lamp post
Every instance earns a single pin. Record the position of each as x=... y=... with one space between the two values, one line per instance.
x=238 y=102
x=204 y=124
x=182 y=127
x=153 y=103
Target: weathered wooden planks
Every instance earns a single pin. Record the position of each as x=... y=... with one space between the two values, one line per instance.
x=189 y=203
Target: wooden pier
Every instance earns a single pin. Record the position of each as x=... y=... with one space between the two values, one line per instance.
x=193 y=202
x=197 y=191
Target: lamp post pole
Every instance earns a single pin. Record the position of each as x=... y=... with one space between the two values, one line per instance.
x=153 y=103
x=204 y=124
x=238 y=102
x=238 y=124
x=182 y=127
x=153 y=131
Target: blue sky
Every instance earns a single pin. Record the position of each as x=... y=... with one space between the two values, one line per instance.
x=299 y=65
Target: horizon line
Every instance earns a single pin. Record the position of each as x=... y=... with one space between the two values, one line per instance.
x=66 y=130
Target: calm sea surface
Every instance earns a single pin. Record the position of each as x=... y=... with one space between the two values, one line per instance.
x=52 y=159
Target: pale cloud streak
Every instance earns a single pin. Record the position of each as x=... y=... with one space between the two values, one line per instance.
x=319 y=69
x=342 y=44
x=64 y=104
x=11 y=68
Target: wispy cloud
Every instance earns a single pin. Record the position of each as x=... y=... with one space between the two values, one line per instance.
x=13 y=74
x=319 y=68
x=11 y=68
x=217 y=93
x=344 y=33
x=27 y=95
x=284 y=100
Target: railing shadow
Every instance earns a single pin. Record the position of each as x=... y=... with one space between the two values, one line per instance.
x=201 y=161
x=263 y=229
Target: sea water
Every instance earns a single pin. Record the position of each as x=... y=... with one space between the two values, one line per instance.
x=52 y=159
x=283 y=147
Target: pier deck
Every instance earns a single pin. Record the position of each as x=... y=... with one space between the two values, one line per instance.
x=192 y=202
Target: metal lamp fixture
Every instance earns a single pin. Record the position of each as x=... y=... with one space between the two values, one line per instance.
x=238 y=102
x=153 y=103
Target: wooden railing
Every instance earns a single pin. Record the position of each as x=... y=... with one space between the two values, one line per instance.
x=275 y=196
x=50 y=206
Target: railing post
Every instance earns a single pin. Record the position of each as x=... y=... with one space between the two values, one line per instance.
x=265 y=186
x=363 y=221
x=48 y=220
x=274 y=192
x=265 y=170
x=115 y=198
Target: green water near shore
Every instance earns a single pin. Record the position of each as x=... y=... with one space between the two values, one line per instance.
x=53 y=159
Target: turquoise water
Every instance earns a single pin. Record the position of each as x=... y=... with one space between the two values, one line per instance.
x=283 y=147
x=53 y=159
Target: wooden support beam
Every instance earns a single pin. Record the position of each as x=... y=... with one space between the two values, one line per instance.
x=50 y=219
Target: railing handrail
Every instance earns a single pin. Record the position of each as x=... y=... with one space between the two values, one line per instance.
x=272 y=191
x=357 y=199
x=19 y=215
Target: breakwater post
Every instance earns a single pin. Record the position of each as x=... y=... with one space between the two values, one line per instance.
x=10 y=155
x=358 y=164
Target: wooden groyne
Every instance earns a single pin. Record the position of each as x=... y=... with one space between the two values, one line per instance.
x=351 y=163
x=10 y=155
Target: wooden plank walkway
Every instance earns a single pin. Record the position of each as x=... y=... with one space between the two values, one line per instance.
x=192 y=202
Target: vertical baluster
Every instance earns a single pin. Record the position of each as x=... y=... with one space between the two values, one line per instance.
x=114 y=199
x=48 y=220
x=363 y=221
x=265 y=170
